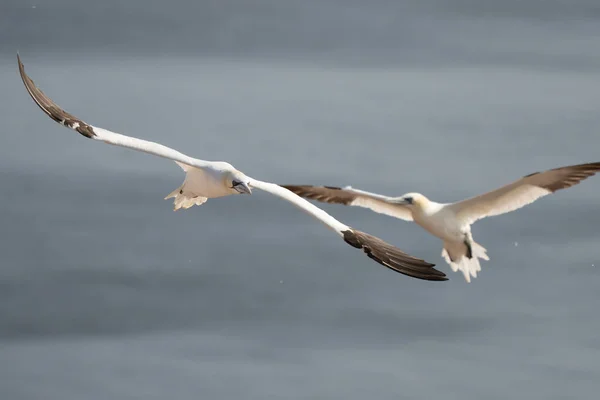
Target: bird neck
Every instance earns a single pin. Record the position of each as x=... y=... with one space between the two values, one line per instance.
x=428 y=207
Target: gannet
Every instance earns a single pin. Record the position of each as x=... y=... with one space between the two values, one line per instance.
x=452 y=222
x=212 y=179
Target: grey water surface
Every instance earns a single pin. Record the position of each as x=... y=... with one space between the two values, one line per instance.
x=106 y=293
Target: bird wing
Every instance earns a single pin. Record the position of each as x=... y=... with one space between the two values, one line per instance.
x=353 y=197
x=92 y=132
x=374 y=247
x=377 y=249
x=522 y=192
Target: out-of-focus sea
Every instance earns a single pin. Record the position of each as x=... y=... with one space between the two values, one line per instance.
x=105 y=292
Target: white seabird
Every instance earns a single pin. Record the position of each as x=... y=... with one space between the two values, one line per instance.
x=212 y=179
x=452 y=222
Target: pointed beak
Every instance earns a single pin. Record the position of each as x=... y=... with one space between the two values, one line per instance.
x=242 y=187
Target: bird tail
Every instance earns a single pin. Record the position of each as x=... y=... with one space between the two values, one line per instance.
x=464 y=257
x=184 y=201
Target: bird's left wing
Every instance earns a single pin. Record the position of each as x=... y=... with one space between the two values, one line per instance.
x=92 y=132
x=353 y=197
x=380 y=251
x=522 y=192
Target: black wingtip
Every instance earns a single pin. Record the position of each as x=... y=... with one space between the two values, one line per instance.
x=392 y=257
x=20 y=63
x=50 y=108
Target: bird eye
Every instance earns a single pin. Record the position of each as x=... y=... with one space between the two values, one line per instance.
x=409 y=200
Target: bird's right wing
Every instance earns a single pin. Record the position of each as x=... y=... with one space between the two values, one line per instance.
x=92 y=132
x=353 y=197
x=380 y=251
x=521 y=192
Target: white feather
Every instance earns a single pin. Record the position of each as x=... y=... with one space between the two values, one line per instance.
x=380 y=204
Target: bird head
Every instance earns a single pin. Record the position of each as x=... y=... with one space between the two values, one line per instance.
x=238 y=182
x=412 y=200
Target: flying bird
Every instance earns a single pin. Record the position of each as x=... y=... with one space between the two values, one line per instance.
x=212 y=179
x=452 y=222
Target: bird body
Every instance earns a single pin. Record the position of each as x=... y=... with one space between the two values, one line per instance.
x=441 y=220
x=435 y=218
x=200 y=184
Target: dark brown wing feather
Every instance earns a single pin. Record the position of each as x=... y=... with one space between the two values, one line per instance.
x=564 y=177
x=326 y=194
x=392 y=257
x=51 y=108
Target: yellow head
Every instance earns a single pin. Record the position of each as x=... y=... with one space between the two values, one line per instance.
x=413 y=200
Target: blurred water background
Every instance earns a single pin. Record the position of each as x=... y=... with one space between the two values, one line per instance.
x=106 y=293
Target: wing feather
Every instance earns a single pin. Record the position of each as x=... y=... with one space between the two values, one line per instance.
x=522 y=192
x=59 y=115
x=353 y=197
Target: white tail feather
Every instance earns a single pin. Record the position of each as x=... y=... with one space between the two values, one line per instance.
x=458 y=252
x=184 y=201
x=183 y=197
